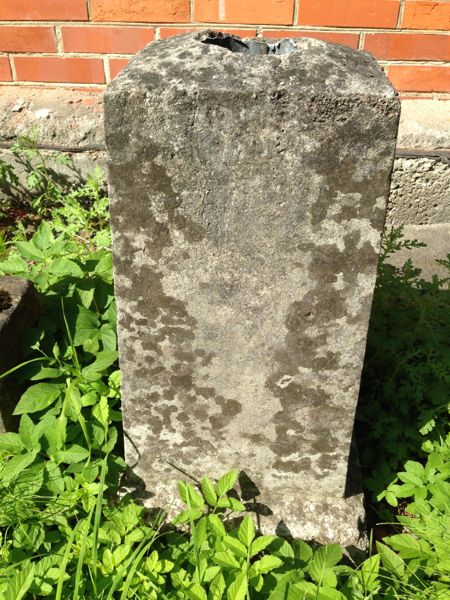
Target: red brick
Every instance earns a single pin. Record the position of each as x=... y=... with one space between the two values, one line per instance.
x=349 y=13
x=5 y=71
x=166 y=32
x=43 y=10
x=116 y=65
x=424 y=14
x=347 y=39
x=420 y=78
x=27 y=39
x=114 y=40
x=59 y=69
x=143 y=11
x=408 y=46
x=271 y=12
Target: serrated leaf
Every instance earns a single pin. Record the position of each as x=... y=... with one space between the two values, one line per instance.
x=231 y=503
x=407 y=545
x=324 y=558
x=264 y=565
x=64 y=267
x=74 y=454
x=260 y=544
x=20 y=583
x=29 y=250
x=302 y=552
x=10 y=443
x=15 y=466
x=190 y=496
x=38 y=397
x=391 y=561
x=226 y=560
x=43 y=237
x=226 y=482
x=27 y=433
x=208 y=491
x=216 y=526
x=235 y=546
x=246 y=531
x=217 y=587
x=196 y=592
x=14 y=265
x=103 y=360
x=86 y=326
x=238 y=589
x=101 y=411
x=368 y=573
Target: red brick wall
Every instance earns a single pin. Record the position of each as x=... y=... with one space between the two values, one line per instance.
x=86 y=42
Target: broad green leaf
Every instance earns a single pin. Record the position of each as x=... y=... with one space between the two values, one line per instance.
x=238 y=589
x=30 y=481
x=108 y=561
x=302 y=552
x=43 y=237
x=324 y=558
x=10 y=443
x=235 y=546
x=86 y=294
x=264 y=565
x=64 y=267
x=226 y=482
x=20 y=582
x=190 y=496
x=260 y=544
x=14 y=265
x=108 y=337
x=104 y=266
x=217 y=587
x=199 y=533
x=391 y=561
x=15 y=466
x=46 y=373
x=55 y=481
x=101 y=411
x=217 y=526
x=29 y=250
x=38 y=397
x=407 y=545
x=246 y=532
x=120 y=553
x=74 y=454
x=56 y=435
x=231 y=503
x=368 y=573
x=329 y=578
x=208 y=491
x=27 y=433
x=226 y=560
x=196 y=592
x=86 y=326
x=103 y=360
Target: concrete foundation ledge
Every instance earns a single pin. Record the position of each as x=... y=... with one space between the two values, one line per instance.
x=71 y=121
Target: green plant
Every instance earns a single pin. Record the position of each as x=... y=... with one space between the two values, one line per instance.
x=67 y=532
x=405 y=394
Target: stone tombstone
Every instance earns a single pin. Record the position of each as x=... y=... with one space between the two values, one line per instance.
x=249 y=181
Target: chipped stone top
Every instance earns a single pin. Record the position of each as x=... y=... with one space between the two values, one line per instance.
x=198 y=60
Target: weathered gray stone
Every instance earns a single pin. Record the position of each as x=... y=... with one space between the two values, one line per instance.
x=248 y=199
x=19 y=308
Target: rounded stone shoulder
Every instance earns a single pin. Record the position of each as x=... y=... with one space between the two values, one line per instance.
x=214 y=60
